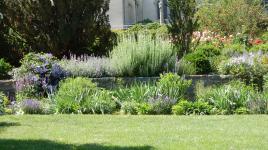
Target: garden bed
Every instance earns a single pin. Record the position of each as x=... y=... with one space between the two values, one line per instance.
x=8 y=86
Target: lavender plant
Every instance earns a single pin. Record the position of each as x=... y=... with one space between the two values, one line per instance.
x=87 y=66
x=31 y=106
x=161 y=104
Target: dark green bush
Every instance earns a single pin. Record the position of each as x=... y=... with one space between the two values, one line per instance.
x=4 y=69
x=61 y=26
x=202 y=57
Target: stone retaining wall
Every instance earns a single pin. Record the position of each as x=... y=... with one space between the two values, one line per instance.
x=8 y=86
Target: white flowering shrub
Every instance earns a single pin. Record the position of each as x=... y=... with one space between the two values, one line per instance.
x=250 y=66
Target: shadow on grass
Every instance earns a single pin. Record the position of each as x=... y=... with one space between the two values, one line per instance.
x=8 y=124
x=4 y=125
x=9 y=144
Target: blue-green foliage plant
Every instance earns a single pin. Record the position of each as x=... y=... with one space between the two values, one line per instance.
x=142 y=55
x=173 y=85
x=81 y=95
x=72 y=93
x=100 y=102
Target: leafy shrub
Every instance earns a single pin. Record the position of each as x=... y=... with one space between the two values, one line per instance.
x=184 y=67
x=250 y=67
x=185 y=107
x=38 y=75
x=233 y=49
x=201 y=108
x=264 y=36
x=260 y=47
x=73 y=93
x=201 y=58
x=242 y=111
x=100 y=102
x=153 y=99
x=221 y=16
x=138 y=92
x=3 y=102
x=30 y=106
x=228 y=97
x=144 y=109
x=173 y=86
x=55 y=34
x=151 y=28
x=4 y=68
x=130 y=107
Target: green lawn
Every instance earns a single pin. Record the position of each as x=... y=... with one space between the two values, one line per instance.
x=133 y=132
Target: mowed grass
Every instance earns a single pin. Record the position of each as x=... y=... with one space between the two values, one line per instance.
x=133 y=132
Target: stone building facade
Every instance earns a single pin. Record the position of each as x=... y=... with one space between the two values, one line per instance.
x=124 y=13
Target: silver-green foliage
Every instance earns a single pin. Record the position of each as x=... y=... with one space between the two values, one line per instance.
x=142 y=55
x=135 y=55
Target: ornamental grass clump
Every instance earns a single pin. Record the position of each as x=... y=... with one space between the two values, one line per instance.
x=153 y=98
x=142 y=55
x=81 y=95
x=229 y=97
x=72 y=93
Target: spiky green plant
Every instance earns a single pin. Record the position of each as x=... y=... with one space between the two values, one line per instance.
x=142 y=55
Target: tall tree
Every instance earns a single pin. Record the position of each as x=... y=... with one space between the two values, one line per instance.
x=61 y=26
x=182 y=24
